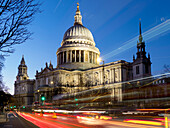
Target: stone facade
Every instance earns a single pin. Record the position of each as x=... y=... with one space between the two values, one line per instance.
x=78 y=68
x=24 y=87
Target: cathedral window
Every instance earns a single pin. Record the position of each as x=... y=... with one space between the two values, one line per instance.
x=73 y=56
x=61 y=57
x=58 y=58
x=23 y=70
x=137 y=69
x=77 y=55
x=65 y=57
x=146 y=69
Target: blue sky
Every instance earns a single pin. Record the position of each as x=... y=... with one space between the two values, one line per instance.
x=112 y=23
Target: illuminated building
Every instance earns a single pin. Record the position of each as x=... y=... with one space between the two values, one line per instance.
x=78 y=69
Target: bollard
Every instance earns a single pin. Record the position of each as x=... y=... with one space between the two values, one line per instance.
x=167 y=123
x=54 y=115
x=41 y=113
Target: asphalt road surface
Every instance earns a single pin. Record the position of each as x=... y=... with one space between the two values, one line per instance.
x=15 y=121
x=28 y=120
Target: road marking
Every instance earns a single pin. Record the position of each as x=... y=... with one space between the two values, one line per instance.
x=7 y=126
x=14 y=114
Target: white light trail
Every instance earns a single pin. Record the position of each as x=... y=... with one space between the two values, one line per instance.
x=151 y=33
x=113 y=85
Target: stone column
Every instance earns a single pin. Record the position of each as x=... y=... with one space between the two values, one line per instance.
x=63 y=57
x=120 y=93
x=92 y=57
x=75 y=55
x=120 y=74
x=66 y=56
x=110 y=77
x=70 y=55
x=79 y=55
x=88 y=56
x=99 y=77
x=84 y=54
x=95 y=58
x=114 y=75
x=59 y=58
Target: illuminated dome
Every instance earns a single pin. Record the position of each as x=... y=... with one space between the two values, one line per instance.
x=78 y=34
x=77 y=49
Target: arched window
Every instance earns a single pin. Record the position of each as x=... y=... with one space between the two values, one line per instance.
x=77 y=55
x=73 y=56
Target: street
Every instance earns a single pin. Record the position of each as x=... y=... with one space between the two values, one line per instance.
x=14 y=121
x=22 y=120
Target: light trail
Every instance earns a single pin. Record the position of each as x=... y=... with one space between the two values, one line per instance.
x=151 y=33
x=48 y=122
x=113 y=85
x=148 y=122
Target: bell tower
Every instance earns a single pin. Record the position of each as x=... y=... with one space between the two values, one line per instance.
x=22 y=71
x=142 y=63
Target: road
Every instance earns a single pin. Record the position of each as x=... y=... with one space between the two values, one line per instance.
x=22 y=120
x=15 y=121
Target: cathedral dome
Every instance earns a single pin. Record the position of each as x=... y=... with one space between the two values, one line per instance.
x=77 y=49
x=78 y=34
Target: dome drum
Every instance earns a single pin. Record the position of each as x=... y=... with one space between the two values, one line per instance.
x=73 y=57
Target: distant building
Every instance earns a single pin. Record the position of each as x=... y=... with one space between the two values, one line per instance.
x=78 y=68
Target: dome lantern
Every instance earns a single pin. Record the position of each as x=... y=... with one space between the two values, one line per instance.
x=78 y=17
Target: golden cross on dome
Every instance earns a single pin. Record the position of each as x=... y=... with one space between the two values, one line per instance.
x=77 y=5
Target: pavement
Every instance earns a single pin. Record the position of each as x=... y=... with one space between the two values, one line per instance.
x=15 y=121
x=3 y=118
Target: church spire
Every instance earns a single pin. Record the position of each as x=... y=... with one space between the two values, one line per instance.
x=22 y=60
x=22 y=70
x=140 y=32
x=78 y=17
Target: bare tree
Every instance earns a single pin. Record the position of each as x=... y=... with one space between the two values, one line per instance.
x=1 y=65
x=15 y=16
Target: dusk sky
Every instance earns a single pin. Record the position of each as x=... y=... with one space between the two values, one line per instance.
x=113 y=24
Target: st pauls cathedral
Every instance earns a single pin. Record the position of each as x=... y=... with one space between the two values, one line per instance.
x=79 y=70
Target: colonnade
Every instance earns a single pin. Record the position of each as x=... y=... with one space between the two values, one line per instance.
x=77 y=56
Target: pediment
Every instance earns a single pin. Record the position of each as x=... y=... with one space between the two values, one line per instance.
x=45 y=71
